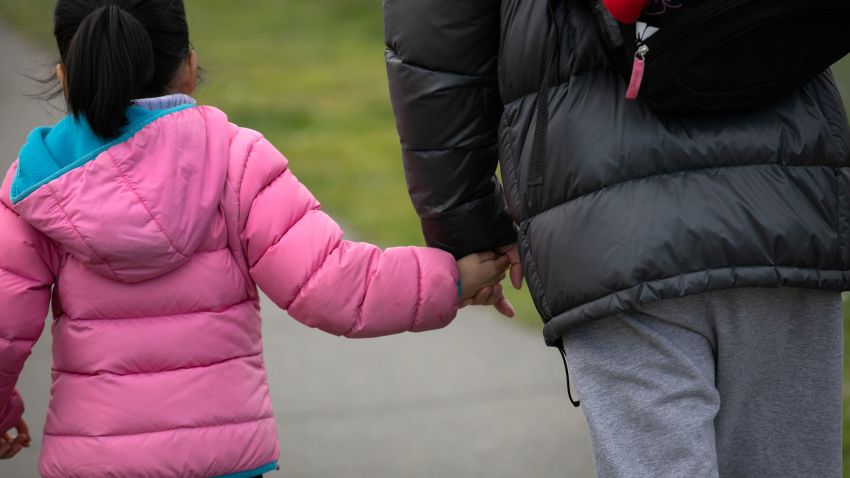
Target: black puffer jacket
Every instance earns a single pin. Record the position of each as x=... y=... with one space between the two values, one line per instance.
x=634 y=206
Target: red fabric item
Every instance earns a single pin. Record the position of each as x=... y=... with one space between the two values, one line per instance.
x=626 y=11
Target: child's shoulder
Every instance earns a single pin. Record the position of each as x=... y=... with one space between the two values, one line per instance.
x=247 y=148
x=243 y=141
x=253 y=161
x=216 y=123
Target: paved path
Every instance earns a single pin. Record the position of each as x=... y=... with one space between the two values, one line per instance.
x=483 y=398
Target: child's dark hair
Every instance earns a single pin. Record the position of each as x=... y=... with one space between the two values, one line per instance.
x=115 y=51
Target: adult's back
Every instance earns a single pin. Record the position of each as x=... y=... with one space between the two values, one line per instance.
x=714 y=246
x=631 y=206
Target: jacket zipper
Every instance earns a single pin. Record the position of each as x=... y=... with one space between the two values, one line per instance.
x=638 y=69
x=705 y=14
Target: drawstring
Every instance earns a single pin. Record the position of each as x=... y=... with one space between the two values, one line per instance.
x=576 y=403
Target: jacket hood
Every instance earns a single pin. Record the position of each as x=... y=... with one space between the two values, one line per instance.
x=132 y=208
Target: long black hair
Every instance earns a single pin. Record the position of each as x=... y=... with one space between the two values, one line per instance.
x=115 y=51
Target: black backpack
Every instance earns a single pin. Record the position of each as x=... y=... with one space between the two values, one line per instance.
x=719 y=56
x=727 y=55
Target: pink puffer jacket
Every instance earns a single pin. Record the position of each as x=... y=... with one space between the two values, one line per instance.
x=152 y=248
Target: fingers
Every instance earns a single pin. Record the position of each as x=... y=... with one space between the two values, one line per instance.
x=488 y=296
x=505 y=308
x=516 y=275
x=483 y=296
x=512 y=252
x=8 y=447
x=486 y=256
x=516 y=267
x=23 y=437
x=496 y=296
x=495 y=270
x=501 y=260
x=493 y=296
x=22 y=440
x=9 y=451
x=5 y=444
x=484 y=270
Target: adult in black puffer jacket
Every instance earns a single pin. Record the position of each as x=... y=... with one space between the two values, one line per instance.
x=718 y=242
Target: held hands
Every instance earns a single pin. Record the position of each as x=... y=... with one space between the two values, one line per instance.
x=9 y=446
x=480 y=276
x=512 y=253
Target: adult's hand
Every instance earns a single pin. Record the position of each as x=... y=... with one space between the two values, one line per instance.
x=512 y=251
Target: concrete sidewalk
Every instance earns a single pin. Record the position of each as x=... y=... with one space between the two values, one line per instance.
x=483 y=398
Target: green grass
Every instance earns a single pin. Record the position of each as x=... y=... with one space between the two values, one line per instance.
x=310 y=75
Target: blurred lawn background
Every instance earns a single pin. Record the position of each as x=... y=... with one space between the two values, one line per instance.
x=310 y=76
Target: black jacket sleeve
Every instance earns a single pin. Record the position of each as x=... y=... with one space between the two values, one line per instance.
x=441 y=62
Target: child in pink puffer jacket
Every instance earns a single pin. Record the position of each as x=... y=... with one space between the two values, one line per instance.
x=150 y=222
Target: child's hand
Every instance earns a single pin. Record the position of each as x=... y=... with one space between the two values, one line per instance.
x=480 y=275
x=492 y=296
x=9 y=447
x=480 y=270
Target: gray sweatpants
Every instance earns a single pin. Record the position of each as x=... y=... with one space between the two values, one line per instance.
x=738 y=383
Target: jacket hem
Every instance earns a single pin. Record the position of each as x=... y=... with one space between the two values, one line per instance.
x=252 y=473
x=682 y=285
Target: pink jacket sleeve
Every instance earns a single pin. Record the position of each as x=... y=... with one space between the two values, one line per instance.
x=297 y=256
x=27 y=265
